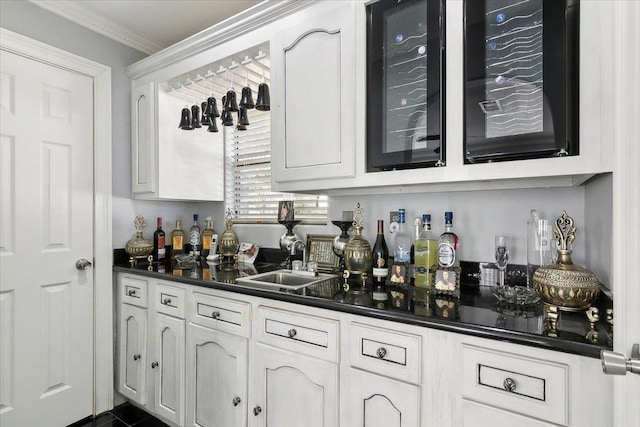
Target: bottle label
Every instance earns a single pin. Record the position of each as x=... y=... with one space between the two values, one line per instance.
x=161 y=244
x=380 y=270
x=206 y=242
x=194 y=238
x=402 y=256
x=446 y=255
x=177 y=243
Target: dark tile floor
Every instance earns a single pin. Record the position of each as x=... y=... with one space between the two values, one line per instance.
x=125 y=415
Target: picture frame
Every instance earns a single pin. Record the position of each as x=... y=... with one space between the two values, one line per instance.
x=320 y=250
x=446 y=281
x=286 y=211
x=398 y=275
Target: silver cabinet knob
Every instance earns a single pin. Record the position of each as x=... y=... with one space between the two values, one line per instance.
x=292 y=333
x=131 y=292
x=166 y=301
x=136 y=357
x=215 y=315
x=236 y=401
x=83 y=264
x=154 y=365
x=509 y=384
x=381 y=352
x=616 y=364
x=257 y=410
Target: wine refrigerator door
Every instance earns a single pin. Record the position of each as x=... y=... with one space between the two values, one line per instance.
x=405 y=52
x=521 y=79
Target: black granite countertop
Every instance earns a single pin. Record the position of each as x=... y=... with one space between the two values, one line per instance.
x=476 y=312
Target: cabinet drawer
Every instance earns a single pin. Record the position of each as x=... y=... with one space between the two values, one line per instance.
x=134 y=291
x=219 y=313
x=310 y=335
x=170 y=300
x=524 y=385
x=386 y=352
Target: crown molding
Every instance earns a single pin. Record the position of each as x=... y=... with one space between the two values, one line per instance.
x=99 y=24
x=242 y=23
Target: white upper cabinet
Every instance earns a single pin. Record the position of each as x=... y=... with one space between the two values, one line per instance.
x=292 y=174
x=313 y=95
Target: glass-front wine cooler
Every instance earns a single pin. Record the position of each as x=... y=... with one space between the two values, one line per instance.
x=405 y=103
x=521 y=79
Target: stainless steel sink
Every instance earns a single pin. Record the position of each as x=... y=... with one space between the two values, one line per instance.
x=282 y=279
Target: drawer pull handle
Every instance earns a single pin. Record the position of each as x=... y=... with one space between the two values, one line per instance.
x=166 y=301
x=236 y=401
x=292 y=333
x=257 y=410
x=131 y=292
x=381 y=352
x=215 y=315
x=154 y=365
x=509 y=384
x=136 y=356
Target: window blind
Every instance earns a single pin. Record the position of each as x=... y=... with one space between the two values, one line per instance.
x=248 y=188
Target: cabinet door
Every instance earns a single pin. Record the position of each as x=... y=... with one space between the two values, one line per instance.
x=167 y=365
x=313 y=94
x=133 y=330
x=289 y=389
x=216 y=378
x=143 y=155
x=376 y=401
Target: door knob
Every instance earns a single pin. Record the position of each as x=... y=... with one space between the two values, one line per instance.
x=236 y=401
x=83 y=264
x=616 y=364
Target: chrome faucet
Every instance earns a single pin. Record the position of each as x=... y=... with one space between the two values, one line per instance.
x=294 y=246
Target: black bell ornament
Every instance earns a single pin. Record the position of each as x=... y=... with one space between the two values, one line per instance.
x=195 y=116
x=246 y=101
x=213 y=127
x=212 y=107
x=230 y=103
x=205 y=120
x=243 y=118
x=227 y=119
x=185 y=119
x=263 y=103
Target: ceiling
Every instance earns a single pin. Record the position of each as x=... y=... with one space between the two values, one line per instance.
x=146 y=25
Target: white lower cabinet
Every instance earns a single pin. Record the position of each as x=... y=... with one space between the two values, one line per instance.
x=202 y=357
x=376 y=401
x=216 y=378
x=289 y=389
x=132 y=357
x=167 y=367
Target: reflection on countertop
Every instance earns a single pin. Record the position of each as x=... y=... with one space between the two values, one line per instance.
x=476 y=312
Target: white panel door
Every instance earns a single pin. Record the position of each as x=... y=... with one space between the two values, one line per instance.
x=167 y=363
x=46 y=225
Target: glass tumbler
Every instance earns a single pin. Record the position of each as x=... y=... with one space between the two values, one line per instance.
x=540 y=246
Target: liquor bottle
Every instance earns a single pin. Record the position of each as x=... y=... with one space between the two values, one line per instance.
x=448 y=244
x=417 y=229
x=177 y=240
x=207 y=235
x=380 y=257
x=194 y=236
x=159 y=249
x=402 y=241
x=426 y=253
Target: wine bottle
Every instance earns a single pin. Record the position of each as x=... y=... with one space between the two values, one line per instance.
x=402 y=241
x=380 y=257
x=448 y=244
x=426 y=253
x=177 y=240
x=207 y=235
x=194 y=236
x=159 y=249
